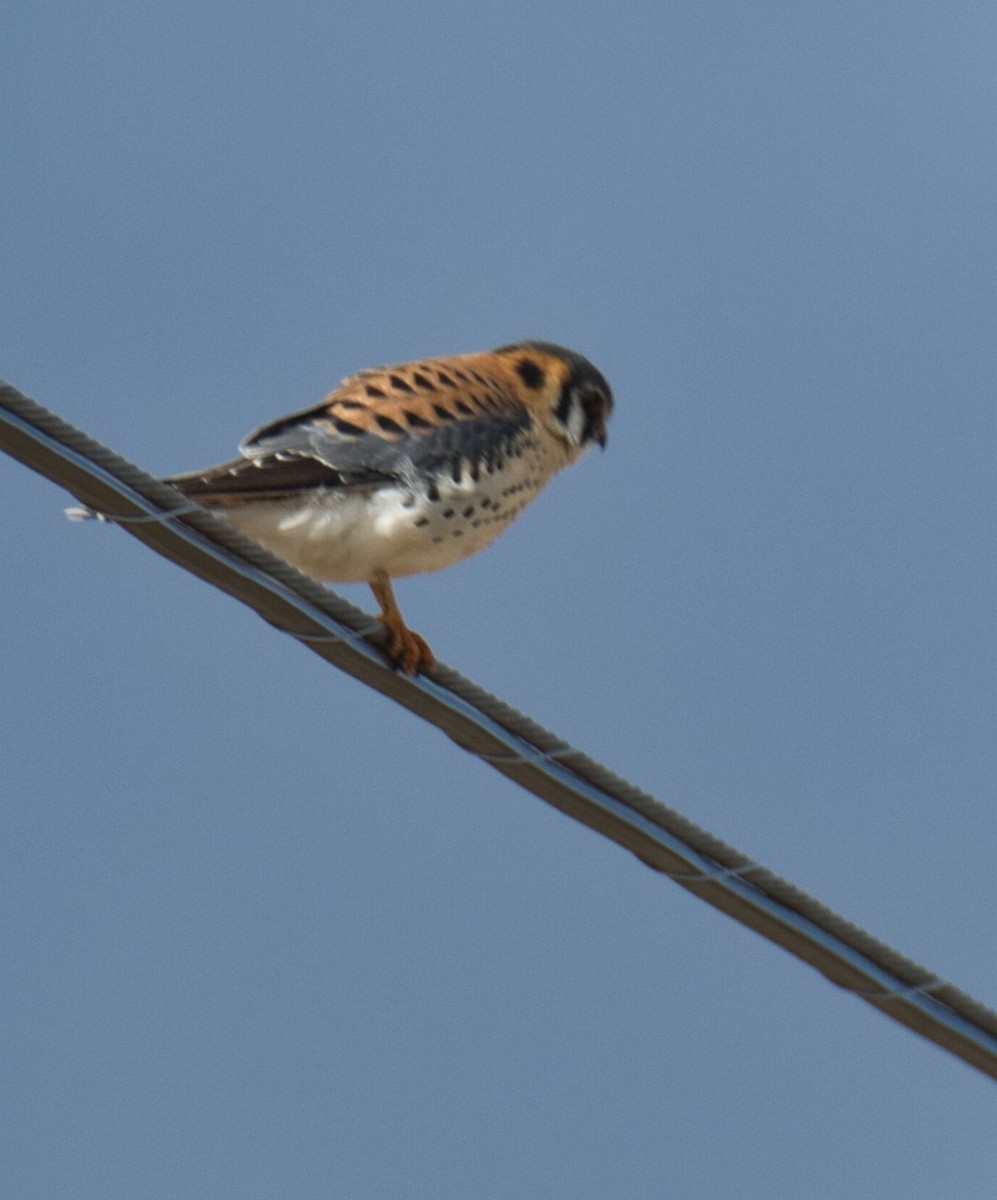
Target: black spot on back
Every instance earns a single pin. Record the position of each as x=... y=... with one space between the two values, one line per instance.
x=416 y=421
x=373 y=391
x=443 y=413
x=347 y=427
x=400 y=385
x=421 y=381
x=387 y=424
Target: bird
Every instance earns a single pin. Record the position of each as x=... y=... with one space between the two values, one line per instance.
x=409 y=468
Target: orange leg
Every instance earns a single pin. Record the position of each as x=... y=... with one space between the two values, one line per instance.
x=407 y=650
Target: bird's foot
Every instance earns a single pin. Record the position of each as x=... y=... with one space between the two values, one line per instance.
x=408 y=652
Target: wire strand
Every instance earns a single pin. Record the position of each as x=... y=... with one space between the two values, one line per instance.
x=508 y=741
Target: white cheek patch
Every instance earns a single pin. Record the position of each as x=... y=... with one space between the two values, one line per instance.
x=576 y=422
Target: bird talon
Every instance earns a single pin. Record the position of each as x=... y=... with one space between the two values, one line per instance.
x=408 y=652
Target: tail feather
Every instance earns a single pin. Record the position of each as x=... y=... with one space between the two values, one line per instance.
x=83 y=513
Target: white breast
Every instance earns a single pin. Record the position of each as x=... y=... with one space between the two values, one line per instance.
x=343 y=536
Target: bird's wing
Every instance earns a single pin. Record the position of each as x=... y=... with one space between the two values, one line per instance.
x=386 y=425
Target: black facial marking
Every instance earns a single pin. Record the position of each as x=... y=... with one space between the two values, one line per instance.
x=530 y=374
x=563 y=409
x=596 y=409
x=583 y=373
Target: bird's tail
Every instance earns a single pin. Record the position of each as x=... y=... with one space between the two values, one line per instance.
x=82 y=513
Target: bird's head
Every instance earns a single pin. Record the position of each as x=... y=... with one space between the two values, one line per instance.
x=571 y=396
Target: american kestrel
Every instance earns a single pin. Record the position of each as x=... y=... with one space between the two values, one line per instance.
x=409 y=468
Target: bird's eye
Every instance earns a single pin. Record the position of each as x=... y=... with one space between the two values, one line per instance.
x=593 y=405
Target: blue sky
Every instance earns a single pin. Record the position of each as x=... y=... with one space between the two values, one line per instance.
x=263 y=933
